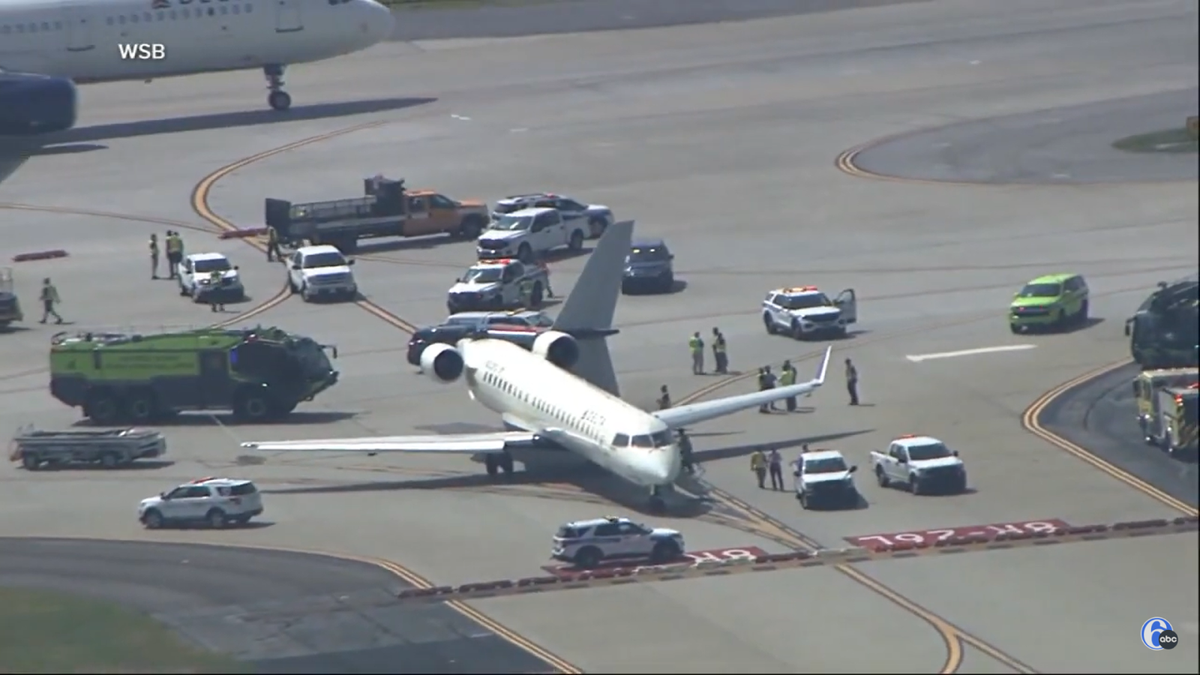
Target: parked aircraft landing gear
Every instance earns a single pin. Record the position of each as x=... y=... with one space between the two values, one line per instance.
x=498 y=462
x=278 y=99
x=658 y=504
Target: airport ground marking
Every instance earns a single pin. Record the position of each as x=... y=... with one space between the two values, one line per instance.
x=1031 y=421
x=932 y=536
x=690 y=559
x=199 y=201
x=918 y=358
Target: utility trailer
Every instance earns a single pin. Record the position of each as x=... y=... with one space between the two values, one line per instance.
x=110 y=449
x=387 y=209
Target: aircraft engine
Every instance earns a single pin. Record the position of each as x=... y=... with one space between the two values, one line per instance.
x=558 y=348
x=35 y=104
x=442 y=363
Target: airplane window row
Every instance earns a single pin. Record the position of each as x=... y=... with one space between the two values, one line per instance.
x=144 y=17
x=554 y=411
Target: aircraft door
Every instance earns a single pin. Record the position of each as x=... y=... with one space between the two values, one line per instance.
x=848 y=303
x=79 y=29
x=287 y=16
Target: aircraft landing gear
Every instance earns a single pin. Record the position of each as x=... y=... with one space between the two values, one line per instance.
x=658 y=504
x=498 y=462
x=278 y=99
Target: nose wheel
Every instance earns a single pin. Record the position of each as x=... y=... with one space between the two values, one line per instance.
x=278 y=99
x=658 y=502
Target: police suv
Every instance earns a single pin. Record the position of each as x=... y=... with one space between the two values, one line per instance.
x=804 y=312
x=597 y=216
x=587 y=543
x=496 y=284
x=822 y=479
x=195 y=274
x=215 y=502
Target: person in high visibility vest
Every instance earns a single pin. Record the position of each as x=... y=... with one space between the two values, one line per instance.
x=214 y=295
x=153 y=256
x=718 y=347
x=174 y=254
x=696 y=345
x=786 y=379
x=758 y=464
x=272 y=245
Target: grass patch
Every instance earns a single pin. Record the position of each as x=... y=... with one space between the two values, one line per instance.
x=1169 y=141
x=50 y=632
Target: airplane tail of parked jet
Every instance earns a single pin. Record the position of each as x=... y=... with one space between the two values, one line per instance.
x=587 y=314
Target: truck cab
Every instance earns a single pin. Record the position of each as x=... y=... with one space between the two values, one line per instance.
x=527 y=233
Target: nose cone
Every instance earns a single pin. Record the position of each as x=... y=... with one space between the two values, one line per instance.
x=378 y=21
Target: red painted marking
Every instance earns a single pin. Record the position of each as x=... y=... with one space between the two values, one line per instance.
x=690 y=559
x=875 y=542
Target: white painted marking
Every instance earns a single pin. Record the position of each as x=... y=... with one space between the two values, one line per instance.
x=461 y=118
x=518 y=130
x=975 y=63
x=968 y=352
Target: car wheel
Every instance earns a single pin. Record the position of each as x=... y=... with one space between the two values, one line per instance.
x=1082 y=317
x=535 y=298
x=1014 y=328
x=768 y=324
x=139 y=407
x=797 y=333
x=1062 y=321
x=103 y=408
x=575 y=243
x=251 y=406
x=881 y=477
x=914 y=485
x=292 y=285
x=216 y=519
x=596 y=227
x=110 y=460
x=525 y=253
x=665 y=551
x=803 y=497
x=152 y=519
x=588 y=557
x=183 y=290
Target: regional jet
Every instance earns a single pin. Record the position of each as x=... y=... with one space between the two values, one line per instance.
x=561 y=394
x=49 y=46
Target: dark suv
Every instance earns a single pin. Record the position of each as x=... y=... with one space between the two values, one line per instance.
x=649 y=268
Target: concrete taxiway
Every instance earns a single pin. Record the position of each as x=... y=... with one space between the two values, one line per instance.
x=722 y=140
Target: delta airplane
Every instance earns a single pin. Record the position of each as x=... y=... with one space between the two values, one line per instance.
x=48 y=46
x=562 y=394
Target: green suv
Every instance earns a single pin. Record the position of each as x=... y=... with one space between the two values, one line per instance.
x=1055 y=301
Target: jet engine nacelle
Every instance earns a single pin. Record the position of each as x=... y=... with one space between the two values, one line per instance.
x=442 y=363
x=558 y=348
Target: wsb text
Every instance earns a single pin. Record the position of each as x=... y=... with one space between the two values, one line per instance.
x=144 y=51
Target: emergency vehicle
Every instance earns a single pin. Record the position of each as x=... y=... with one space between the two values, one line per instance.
x=597 y=216
x=496 y=284
x=805 y=312
x=211 y=501
x=1174 y=424
x=1148 y=382
x=587 y=543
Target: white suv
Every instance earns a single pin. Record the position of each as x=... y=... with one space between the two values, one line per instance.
x=804 y=311
x=315 y=271
x=587 y=543
x=216 y=502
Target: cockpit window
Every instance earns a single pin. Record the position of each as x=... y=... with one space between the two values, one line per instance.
x=643 y=442
x=662 y=439
x=621 y=441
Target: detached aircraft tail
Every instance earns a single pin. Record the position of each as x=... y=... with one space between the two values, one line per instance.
x=587 y=314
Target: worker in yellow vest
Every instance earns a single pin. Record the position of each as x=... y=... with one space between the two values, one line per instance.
x=786 y=379
x=696 y=345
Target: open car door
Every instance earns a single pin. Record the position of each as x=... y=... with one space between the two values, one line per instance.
x=848 y=303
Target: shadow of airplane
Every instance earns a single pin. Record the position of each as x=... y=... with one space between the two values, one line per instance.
x=248 y=118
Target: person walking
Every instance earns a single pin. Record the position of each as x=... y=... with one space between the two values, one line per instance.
x=153 y=255
x=852 y=382
x=786 y=379
x=49 y=298
x=215 y=278
x=775 y=462
x=696 y=345
x=685 y=453
x=758 y=464
x=769 y=381
x=664 y=399
x=273 y=253
x=719 y=357
x=541 y=263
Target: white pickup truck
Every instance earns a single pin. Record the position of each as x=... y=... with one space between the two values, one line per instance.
x=529 y=232
x=823 y=478
x=922 y=463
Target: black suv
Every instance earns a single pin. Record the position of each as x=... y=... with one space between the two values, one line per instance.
x=649 y=268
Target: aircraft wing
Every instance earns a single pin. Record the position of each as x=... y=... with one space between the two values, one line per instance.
x=686 y=415
x=435 y=443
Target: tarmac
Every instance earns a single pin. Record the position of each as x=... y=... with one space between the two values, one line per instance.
x=721 y=139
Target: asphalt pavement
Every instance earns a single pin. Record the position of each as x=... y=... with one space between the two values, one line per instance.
x=577 y=16
x=1101 y=415
x=282 y=612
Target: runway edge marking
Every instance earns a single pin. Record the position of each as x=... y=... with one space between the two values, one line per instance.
x=199 y=202
x=1031 y=421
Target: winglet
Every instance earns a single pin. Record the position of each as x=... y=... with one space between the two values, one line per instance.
x=824 y=366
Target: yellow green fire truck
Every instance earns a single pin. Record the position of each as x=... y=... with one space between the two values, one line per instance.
x=257 y=373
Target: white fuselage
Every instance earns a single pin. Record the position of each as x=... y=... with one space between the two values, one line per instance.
x=82 y=39
x=567 y=410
